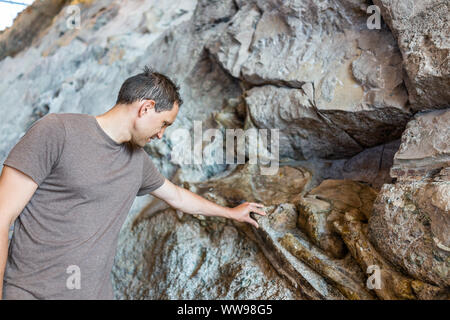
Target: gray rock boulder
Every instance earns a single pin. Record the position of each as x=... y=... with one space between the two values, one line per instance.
x=422 y=29
x=315 y=71
x=411 y=218
x=175 y=256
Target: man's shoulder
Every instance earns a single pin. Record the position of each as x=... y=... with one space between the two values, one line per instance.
x=48 y=124
x=68 y=116
x=67 y=120
x=61 y=117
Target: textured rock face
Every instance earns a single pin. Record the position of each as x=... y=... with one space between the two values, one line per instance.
x=425 y=146
x=297 y=258
x=27 y=26
x=335 y=86
x=392 y=285
x=247 y=183
x=303 y=132
x=168 y=257
x=321 y=236
x=411 y=219
x=326 y=203
x=421 y=29
x=410 y=227
x=300 y=277
x=307 y=131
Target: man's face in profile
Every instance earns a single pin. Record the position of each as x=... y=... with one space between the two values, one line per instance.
x=150 y=124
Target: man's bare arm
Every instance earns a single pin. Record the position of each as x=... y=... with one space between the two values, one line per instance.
x=191 y=203
x=16 y=189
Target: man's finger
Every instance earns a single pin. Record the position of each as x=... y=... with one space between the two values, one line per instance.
x=253 y=222
x=261 y=212
x=257 y=204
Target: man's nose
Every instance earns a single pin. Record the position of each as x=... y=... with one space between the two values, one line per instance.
x=160 y=134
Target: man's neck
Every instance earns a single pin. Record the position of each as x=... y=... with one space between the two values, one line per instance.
x=115 y=122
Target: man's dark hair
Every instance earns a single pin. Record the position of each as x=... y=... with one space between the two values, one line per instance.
x=150 y=85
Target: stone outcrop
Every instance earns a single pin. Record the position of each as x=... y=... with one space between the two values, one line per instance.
x=392 y=284
x=292 y=238
x=325 y=204
x=29 y=26
x=246 y=183
x=170 y=256
x=421 y=29
x=411 y=220
x=331 y=86
x=410 y=227
x=425 y=147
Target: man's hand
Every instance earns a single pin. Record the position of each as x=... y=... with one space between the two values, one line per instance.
x=191 y=203
x=241 y=213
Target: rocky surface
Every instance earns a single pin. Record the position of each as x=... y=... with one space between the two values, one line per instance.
x=169 y=256
x=296 y=275
x=331 y=86
x=291 y=239
x=425 y=147
x=411 y=221
x=28 y=26
x=421 y=29
x=410 y=227
x=325 y=204
x=340 y=207
x=392 y=285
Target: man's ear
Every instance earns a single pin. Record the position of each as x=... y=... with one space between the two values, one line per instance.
x=146 y=105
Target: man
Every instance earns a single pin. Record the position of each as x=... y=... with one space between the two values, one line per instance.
x=73 y=178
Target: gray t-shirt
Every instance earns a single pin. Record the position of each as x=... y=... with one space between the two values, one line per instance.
x=65 y=239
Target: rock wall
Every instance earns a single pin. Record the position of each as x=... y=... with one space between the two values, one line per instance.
x=341 y=209
x=411 y=220
x=421 y=29
x=317 y=73
x=28 y=25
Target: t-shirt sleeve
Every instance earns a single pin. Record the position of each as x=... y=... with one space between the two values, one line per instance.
x=39 y=149
x=152 y=179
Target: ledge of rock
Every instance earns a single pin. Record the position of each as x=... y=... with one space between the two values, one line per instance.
x=425 y=147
